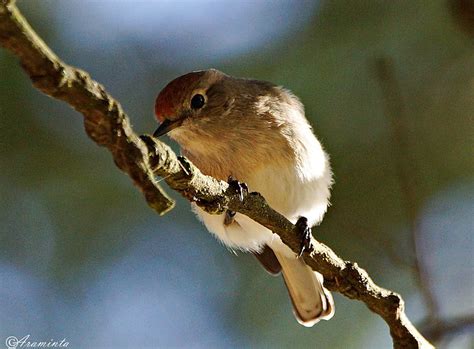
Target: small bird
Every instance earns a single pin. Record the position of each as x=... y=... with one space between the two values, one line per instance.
x=256 y=133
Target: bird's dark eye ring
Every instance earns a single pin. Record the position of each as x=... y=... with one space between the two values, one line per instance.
x=197 y=102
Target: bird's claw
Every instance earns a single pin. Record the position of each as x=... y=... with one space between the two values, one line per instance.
x=239 y=187
x=304 y=232
x=242 y=190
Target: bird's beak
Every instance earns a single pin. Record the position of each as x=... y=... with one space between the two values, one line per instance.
x=167 y=126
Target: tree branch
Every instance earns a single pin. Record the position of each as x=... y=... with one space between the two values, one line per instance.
x=104 y=120
x=107 y=124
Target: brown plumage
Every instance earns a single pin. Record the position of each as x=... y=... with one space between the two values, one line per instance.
x=257 y=133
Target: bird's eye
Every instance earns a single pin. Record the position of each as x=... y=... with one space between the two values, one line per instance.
x=197 y=102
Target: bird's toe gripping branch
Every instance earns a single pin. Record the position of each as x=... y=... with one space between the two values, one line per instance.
x=242 y=190
x=239 y=187
x=304 y=232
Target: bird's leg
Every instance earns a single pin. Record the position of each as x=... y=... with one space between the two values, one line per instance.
x=229 y=217
x=304 y=232
x=241 y=189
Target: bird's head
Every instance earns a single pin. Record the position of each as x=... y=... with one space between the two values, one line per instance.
x=192 y=102
x=211 y=112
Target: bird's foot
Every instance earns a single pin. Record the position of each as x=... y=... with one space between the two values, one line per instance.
x=239 y=187
x=304 y=232
x=242 y=190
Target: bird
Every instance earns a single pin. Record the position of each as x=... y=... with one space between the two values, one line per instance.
x=255 y=133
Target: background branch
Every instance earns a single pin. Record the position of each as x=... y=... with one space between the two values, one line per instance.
x=407 y=172
x=107 y=124
x=446 y=329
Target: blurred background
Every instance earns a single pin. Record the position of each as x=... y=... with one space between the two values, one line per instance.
x=389 y=89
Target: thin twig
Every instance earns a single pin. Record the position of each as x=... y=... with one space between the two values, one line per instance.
x=406 y=171
x=445 y=329
x=377 y=242
x=108 y=126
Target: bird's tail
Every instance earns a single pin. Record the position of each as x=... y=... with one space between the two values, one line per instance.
x=311 y=301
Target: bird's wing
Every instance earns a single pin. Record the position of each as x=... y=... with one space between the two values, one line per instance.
x=268 y=260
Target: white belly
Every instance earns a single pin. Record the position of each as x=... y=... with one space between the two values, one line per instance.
x=287 y=193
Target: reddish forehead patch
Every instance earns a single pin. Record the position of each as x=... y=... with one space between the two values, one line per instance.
x=172 y=96
x=163 y=106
